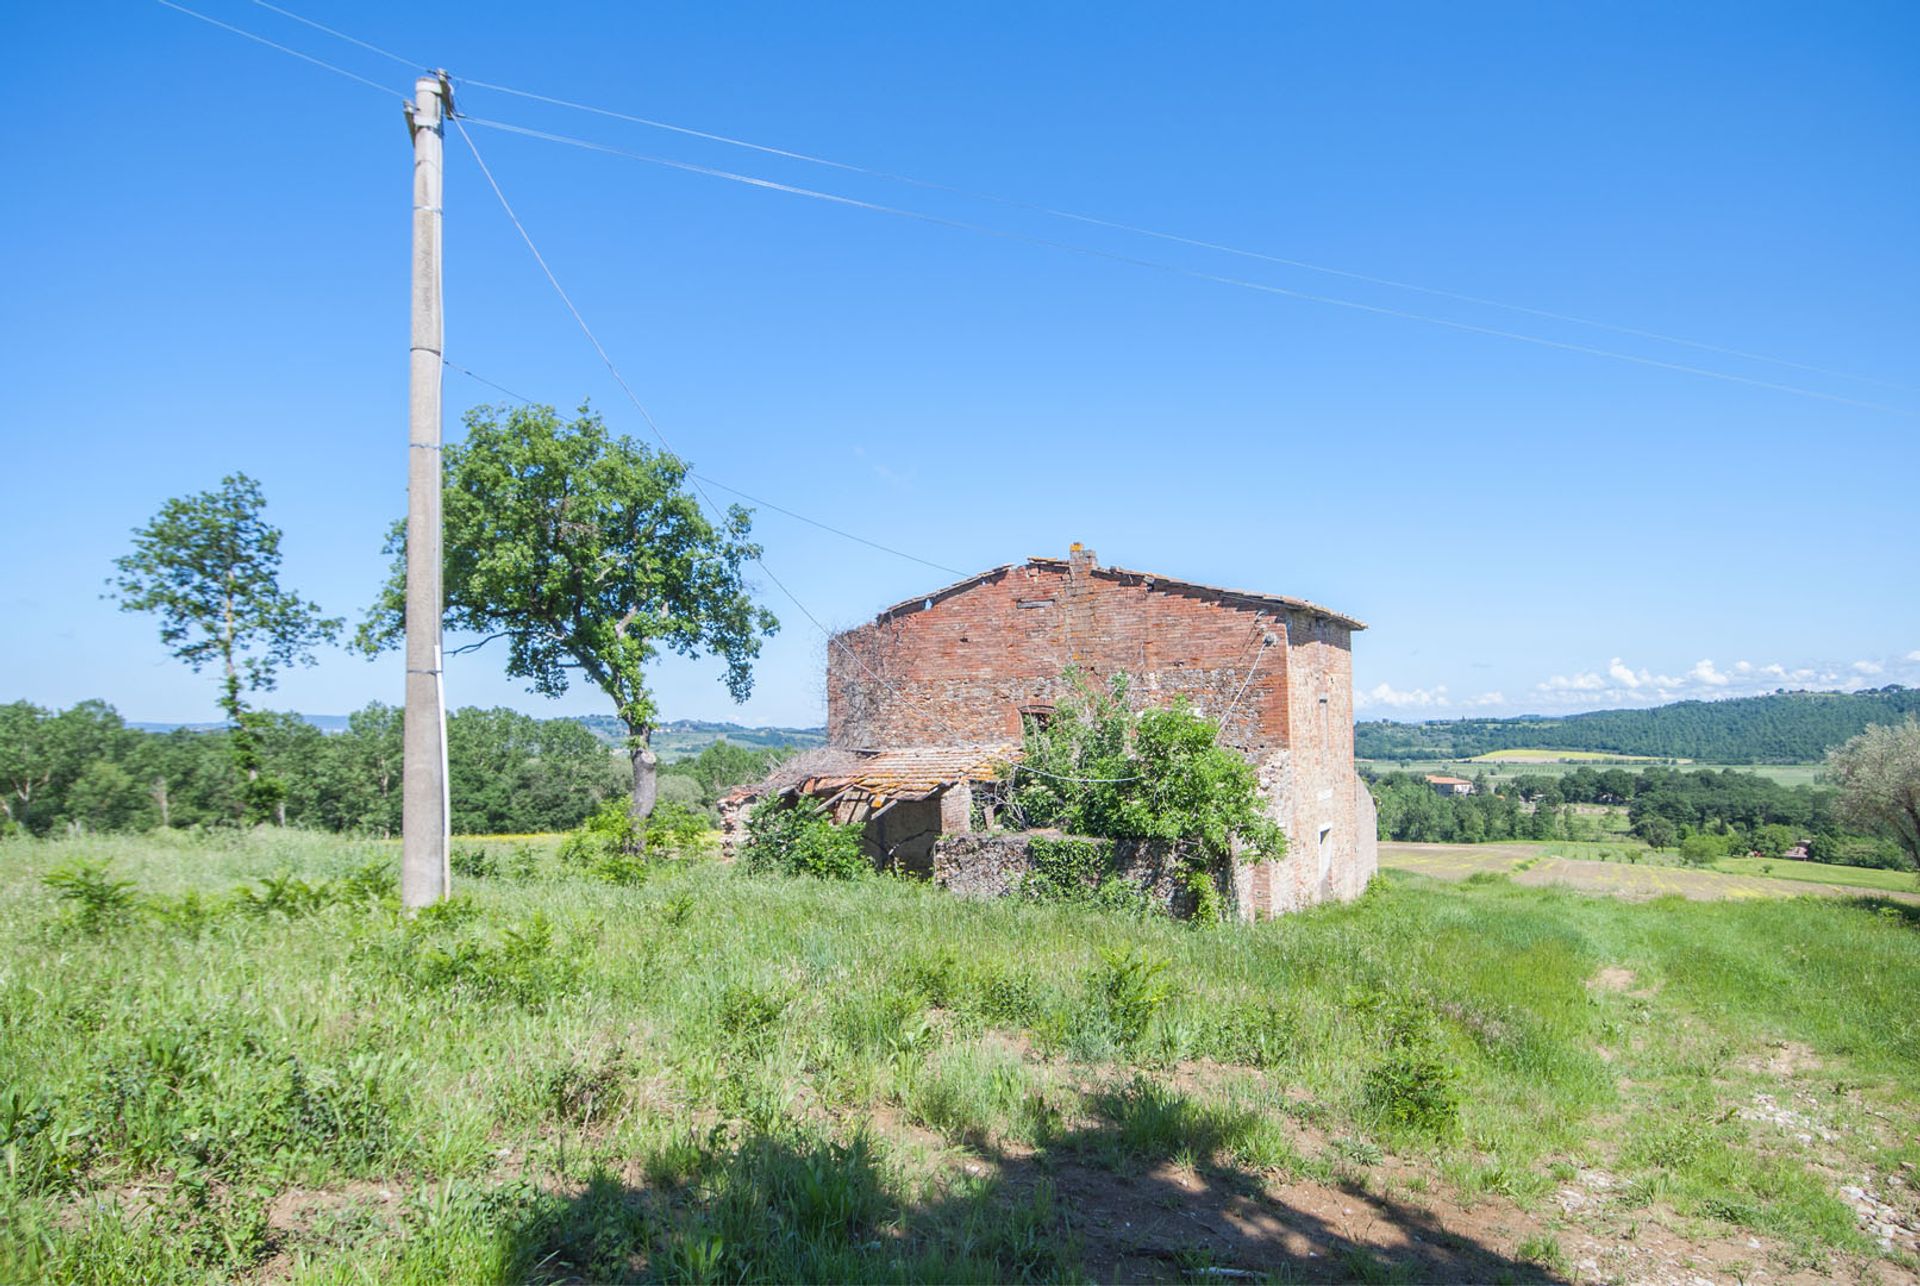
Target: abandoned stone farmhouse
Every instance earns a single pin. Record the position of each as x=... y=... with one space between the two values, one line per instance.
x=925 y=704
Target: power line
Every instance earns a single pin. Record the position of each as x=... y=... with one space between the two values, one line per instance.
x=1242 y=283
x=833 y=640
x=1176 y=238
x=752 y=499
x=341 y=35
x=274 y=44
x=1096 y=221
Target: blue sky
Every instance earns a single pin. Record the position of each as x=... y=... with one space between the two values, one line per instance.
x=206 y=272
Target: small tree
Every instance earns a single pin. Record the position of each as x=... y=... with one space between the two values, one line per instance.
x=1101 y=768
x=209 y=566
x=1877 y=775
x=585 y=552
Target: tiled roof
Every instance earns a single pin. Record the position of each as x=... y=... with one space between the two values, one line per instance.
x=1448 y=781
x=915 y=773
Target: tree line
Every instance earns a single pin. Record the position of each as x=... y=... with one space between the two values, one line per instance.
x=1782 y=727
x=1705 y=811
x=84 y=769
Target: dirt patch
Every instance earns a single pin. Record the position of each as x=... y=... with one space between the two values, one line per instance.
x=1612 y=978
x=1785 y=1060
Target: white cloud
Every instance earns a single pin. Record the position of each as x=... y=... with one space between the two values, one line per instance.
x=1588 y=682
x=1777 y=670
x=1914 y=655
x=1743 y=667
x=1623 y=674
x=1703 y=672
x=1867 y=667
x=1386 y=695
x=1489 y=699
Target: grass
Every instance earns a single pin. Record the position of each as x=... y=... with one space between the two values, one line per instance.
x=1563 y=762
x=1859 y=877
x=1563 y=756
x=711 y=1075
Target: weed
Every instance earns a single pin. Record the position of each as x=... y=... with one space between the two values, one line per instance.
x=95 y=901
x=1130 y=989
x=1543 y=1249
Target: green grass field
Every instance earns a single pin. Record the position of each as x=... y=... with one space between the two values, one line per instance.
x=1859 y=877
x=1498 y=770
x=1575 y=757
x=711 y=1076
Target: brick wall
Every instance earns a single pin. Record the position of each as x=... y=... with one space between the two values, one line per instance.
x=959 y=667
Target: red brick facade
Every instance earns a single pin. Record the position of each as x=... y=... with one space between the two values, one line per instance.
x=959 y=667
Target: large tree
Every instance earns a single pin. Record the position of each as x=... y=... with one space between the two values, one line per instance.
x=1877 y=775
x=208 y=565
x=585 y=552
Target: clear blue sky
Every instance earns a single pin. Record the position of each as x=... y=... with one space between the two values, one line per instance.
x=206 y=258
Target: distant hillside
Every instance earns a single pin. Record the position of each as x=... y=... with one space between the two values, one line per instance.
x=1782 y=728
x=684 y=738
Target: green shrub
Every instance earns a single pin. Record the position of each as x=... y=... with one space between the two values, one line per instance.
x=95 y=902
x=474 y=863
x=801 y=839
x=1130 y=989
x=1101 y=768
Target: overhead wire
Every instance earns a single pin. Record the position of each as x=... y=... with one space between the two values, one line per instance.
x=1201 y=243
x=340 y=35
x=1096 y=221
x=285 y=49
x=1198 y=274
x=833 y=640
x=764 y=504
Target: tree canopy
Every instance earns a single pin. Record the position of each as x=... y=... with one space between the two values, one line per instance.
x=1877 y=775
x=585 y=552
x=208 y=565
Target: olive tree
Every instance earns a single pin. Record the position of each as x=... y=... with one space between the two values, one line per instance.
x=208 y=565
x=585 y=552
x=1877 y=776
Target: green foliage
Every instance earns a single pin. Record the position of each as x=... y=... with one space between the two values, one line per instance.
x=1703 y=849
x=1130 y=988
x=801 y=839
x=95 y=901
x=1099 y=767
x=609 y=846
x=719 y=767
x=1412 y=1088
x=209 y=566
x=584 y=551
x=1066 y=869
x=1877 y=776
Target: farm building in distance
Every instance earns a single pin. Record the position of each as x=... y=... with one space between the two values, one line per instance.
x=1449 y=785
x=928 y=699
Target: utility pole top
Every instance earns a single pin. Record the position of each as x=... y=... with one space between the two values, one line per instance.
x=435 y=84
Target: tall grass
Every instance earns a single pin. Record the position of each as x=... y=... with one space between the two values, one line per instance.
x=705 y=1074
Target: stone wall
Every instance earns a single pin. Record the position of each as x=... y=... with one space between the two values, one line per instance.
x=993 y=866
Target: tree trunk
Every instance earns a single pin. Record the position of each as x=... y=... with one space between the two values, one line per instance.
x=646 y=783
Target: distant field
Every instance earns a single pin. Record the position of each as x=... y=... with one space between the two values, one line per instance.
x=1503 y=770
x=1564 y=756
x=1859 y=877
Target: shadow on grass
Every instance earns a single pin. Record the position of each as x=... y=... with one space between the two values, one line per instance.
x=1906 y=912
x=1106 y=1202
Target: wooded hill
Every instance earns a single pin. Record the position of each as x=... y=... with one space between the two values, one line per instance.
x=1783 y=727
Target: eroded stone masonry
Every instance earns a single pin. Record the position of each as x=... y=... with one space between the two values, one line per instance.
x=961 y=666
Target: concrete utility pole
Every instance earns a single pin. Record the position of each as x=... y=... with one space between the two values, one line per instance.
x=424 y=815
